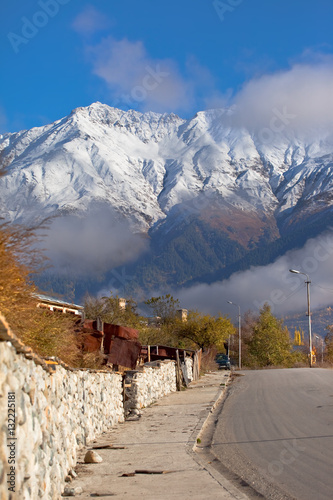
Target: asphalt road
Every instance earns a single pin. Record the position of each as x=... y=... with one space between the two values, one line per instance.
x=275 y=431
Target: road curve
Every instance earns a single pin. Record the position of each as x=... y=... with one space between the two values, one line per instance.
x=276 y=432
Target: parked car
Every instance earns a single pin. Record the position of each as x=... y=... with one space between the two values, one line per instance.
x=223 y=361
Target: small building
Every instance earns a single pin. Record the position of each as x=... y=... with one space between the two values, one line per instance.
x=122 y=303
x=57 y=305
x=182 y=314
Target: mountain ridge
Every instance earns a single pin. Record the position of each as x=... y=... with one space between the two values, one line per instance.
x=160 y=172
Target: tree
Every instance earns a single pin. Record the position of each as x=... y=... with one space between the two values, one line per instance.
x=298 y=337
x=165 y=307
x=46 y=333
x=329 y=344
x=205 y=331
x=161 y=335
x=108 y=310
x=270 y=344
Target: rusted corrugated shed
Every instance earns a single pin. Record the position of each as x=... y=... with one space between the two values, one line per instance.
x=90 y=324
x=124 y=352
x=91 y=336
x=91 y=343
x=123 y=332
x=165 y=352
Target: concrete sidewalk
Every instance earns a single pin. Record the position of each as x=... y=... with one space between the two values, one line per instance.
x=162 y=439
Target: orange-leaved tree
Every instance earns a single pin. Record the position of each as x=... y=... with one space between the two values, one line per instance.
x=46 y=333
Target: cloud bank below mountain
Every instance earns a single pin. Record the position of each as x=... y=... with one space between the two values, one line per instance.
x=91 y=243
x=285 y=292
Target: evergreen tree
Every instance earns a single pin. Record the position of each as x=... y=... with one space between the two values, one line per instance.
x=329 y=344
x=270 y=344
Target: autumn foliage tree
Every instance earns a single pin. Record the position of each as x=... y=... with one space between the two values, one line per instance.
x=46 y=333
x=205 y=331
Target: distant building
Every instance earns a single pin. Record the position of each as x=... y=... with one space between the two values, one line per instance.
x=56 y=305
x=122 y=303
x=182 y=314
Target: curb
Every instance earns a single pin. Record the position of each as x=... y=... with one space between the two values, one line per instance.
x=205 y=419
x=229 y=488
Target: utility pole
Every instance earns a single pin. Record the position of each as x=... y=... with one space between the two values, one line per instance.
x=239 y=335
x=308 y=313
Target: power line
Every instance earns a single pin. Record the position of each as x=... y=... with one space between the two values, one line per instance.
x=324 y=288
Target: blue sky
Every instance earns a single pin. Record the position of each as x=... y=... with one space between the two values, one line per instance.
x=181 y=56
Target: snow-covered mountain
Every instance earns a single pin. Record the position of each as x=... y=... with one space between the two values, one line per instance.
x=145 y=164
x=158 y=170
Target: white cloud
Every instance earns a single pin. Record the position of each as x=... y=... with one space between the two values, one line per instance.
x=273 y=283
x=90 y=21
x=92 y=243
x=137 y=80
x=303 y=94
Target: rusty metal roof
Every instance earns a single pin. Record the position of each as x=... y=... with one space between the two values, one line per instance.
x=111 y=331
x=124 y=352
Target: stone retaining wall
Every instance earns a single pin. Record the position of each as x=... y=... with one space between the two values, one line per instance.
x=57 y=412
x=142 y=388
x=189 y=369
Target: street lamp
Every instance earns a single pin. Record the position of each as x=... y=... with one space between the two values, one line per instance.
x=239 y=335
x=309 y=314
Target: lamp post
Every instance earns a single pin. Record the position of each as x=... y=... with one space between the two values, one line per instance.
x=309 y=314
x=239 y=335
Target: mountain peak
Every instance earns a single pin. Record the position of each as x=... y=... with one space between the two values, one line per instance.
x=147 y=126
x=144 y=164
